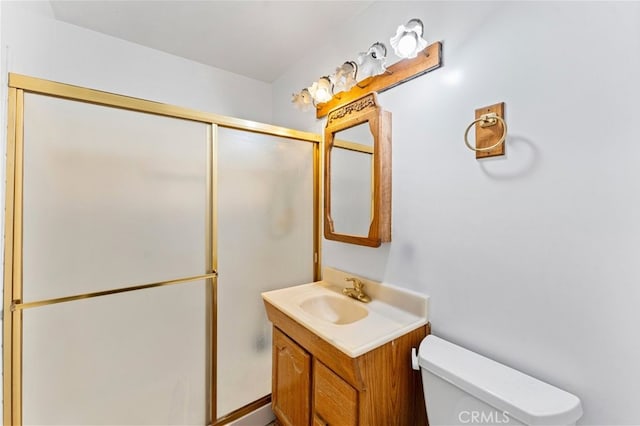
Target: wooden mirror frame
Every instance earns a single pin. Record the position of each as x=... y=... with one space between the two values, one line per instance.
x=362 y=110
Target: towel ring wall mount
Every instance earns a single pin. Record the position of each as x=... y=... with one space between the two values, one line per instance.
x=490 y=136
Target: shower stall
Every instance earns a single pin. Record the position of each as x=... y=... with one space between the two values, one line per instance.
x=138 y=238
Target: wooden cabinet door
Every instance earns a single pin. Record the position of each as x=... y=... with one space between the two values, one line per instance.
x=291 y=381
x=335 y=402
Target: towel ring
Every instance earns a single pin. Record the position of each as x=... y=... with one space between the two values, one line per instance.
x=486 y=120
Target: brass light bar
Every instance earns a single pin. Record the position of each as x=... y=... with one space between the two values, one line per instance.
x=16 y=305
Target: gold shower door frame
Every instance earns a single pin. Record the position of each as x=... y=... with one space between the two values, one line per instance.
x=13 y=303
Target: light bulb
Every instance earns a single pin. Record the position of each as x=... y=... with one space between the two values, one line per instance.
x=408 y=41
x=322 y=95
x=321 y=90
x=407 y=44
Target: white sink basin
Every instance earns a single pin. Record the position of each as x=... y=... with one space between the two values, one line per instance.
x=350 y=325
x=334 y=309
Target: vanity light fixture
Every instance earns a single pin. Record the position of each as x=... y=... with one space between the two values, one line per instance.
x=372 y=62
x=302 y=100
x=369 y=73
x=408 y=41
x=321 y=90
x=345 y=77
x=368 y=64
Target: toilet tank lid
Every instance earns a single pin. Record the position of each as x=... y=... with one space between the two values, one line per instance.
x=523 y=397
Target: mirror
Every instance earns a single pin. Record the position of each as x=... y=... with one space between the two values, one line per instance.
x=358 y=173
x=352 y=180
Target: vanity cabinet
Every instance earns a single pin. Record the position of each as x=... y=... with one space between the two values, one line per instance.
x=316 y=384
x=291 y=375
x=335 y=402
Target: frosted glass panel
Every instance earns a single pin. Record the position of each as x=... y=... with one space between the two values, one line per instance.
x=129 y=359
x=265 y=241
x=111 y=198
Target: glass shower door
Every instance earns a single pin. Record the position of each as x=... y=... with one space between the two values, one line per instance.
x=119 y=212
x=265 y=241
x=113 y=199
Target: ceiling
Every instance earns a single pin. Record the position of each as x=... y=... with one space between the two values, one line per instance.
x=258 y=39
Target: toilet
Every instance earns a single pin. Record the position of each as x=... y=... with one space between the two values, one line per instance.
x=464 y=388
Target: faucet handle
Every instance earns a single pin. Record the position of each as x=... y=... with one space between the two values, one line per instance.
x=357 y=284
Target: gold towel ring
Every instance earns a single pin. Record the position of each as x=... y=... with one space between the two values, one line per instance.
x=486 y=120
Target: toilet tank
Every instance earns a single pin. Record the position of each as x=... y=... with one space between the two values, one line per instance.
x=464 y=388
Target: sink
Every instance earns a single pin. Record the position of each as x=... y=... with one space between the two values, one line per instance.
x=349 y=325
x=334 y=309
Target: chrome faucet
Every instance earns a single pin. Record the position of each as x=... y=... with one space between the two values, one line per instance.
x=357 y=292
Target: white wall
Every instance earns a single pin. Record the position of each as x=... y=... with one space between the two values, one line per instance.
x=43 y=47
x=531 y=259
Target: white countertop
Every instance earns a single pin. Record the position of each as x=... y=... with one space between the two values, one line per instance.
x=392 y=312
